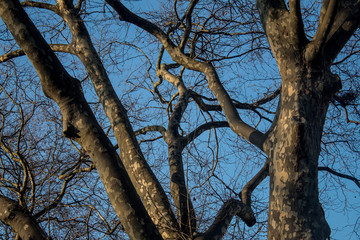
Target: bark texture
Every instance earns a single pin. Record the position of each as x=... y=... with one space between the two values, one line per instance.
x=293 y=142
x=79 y=123
x=22 y=223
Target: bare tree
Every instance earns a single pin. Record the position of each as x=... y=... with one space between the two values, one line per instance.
x=189 y=48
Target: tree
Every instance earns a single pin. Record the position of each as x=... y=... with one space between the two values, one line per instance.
x=197 y=41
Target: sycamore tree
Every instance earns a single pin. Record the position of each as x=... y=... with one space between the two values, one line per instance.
x=173 y=118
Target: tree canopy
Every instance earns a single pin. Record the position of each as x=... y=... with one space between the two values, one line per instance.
x=179 y=119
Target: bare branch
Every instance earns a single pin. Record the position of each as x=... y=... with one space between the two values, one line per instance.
x=66 y=48
x=345 y=176
x=346 y=22
x=297 y=24
x=253 y=183
x=188 y=18
x=222 y=220
x=236 y=124
x=153 y=128
x=40 y=5
x=327 y=15
x=204 y=127
x=79 y=122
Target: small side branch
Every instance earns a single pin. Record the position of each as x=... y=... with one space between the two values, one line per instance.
x=354 y=179
x=66 y=48
x=207 y=126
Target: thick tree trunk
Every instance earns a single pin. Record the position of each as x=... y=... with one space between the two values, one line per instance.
x=294 y=208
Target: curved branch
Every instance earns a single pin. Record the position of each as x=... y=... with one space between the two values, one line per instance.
x=354 y=179
x=222 y=220
x=188 y=24
x=237 y=125
x=207 y=126
x=22 y=223
x=253 y=183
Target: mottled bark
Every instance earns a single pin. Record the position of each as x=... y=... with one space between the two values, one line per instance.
x=177 y=54
x=20 y=221
x=79 y=123
x=294 y=208
x=145 y=182
x=293 y=143
x=176 y=144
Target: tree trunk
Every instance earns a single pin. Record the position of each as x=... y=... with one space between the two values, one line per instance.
x=294 y=208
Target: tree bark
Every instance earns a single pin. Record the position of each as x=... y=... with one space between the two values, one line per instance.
x=294 y=208
x=79 y=122
x=147 y=186
x=307 y=85
x=22 y=223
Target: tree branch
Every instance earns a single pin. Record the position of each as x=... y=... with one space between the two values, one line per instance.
x=236 y=124
x=202 y=128
x=355 y=180
x=22 y=223
x=40 y=5
x=154 y=128
x=152 y=194
x=188 y=17
x=297 y=24
x=222 y=220
x=346 y=22
x=66 y=48
x=253 y=183
x=79 y=122
x=327 y=15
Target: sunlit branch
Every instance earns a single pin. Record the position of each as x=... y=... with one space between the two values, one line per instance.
x=346 y=22
x=236 y=123
x=153 y=128
x=66 y=48
x=79 y=122
x=40 y=5
x=327 y=17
